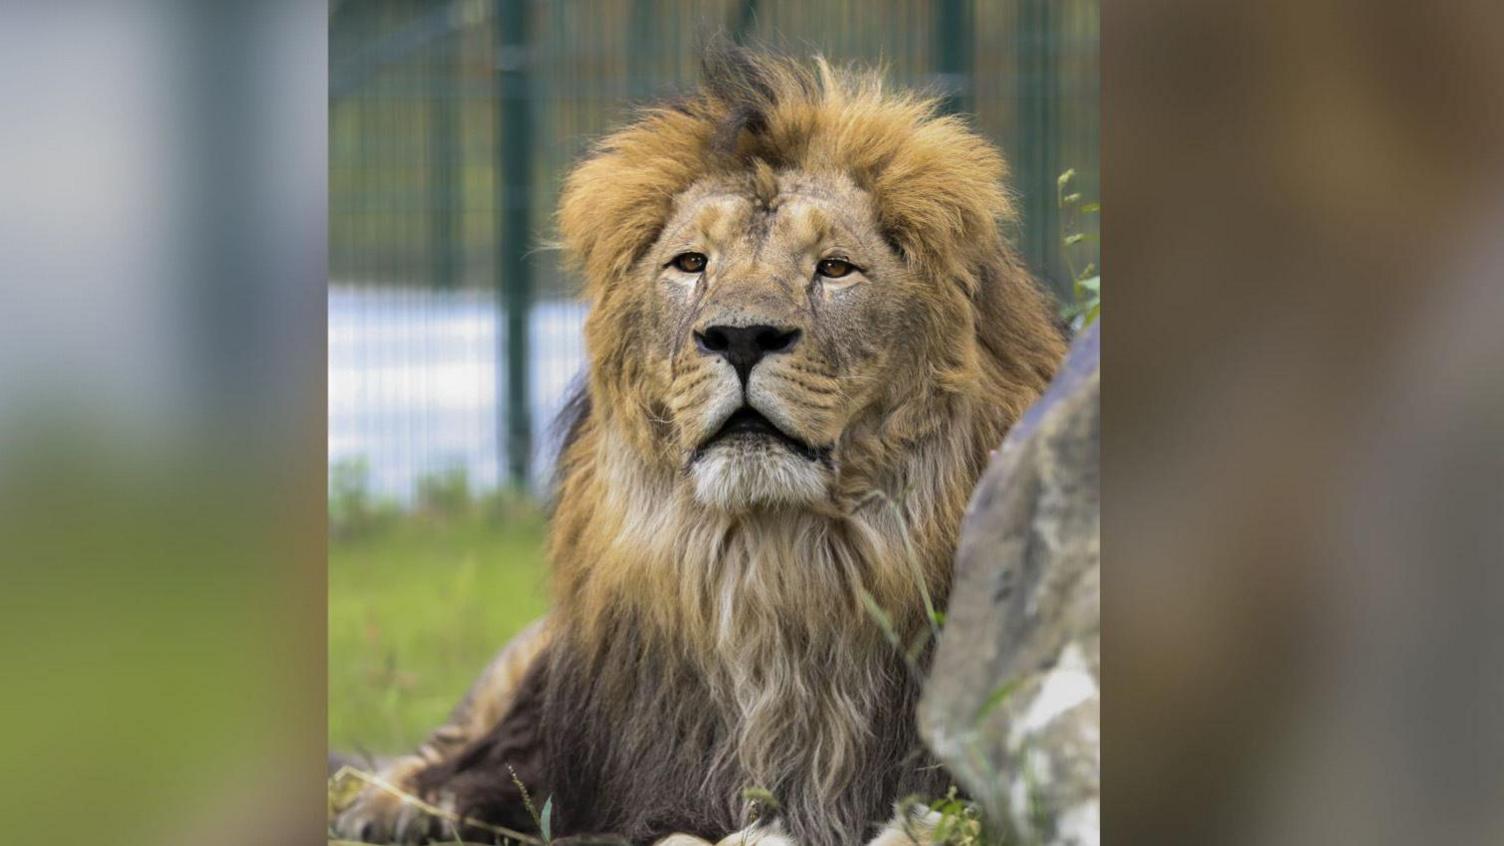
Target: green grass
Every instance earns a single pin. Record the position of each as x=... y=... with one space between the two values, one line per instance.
x=415 y=612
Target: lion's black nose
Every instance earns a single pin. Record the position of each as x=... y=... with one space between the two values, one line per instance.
x=744 y=346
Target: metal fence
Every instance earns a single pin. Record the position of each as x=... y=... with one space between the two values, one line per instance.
x=452 y=337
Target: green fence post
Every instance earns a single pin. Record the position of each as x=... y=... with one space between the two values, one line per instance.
x=1036 y=145
x=441 y=162
x=744 y=22
x=513 y=183
x=642 y=48
x=953 y=52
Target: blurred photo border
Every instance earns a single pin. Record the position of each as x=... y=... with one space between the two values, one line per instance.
x=1302 y=419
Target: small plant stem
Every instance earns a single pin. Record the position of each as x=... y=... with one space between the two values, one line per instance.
x=434 y=810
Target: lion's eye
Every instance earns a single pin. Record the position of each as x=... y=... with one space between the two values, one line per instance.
x=833 y=268
x=689 y=262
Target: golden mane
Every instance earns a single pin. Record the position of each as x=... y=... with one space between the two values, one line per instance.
x=761 y=621
x=937 y=184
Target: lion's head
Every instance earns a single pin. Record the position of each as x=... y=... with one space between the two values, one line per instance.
x=795 y=277
x=806 y=332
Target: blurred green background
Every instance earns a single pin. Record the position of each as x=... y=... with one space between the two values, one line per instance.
x=415 y=611
x=453 y=338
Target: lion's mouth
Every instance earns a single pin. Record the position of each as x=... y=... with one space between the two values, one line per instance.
x=747 y=422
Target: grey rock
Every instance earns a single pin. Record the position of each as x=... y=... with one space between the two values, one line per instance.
x=1012 y=705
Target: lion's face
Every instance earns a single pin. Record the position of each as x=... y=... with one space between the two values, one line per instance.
x=778 y=318
x=800 y=299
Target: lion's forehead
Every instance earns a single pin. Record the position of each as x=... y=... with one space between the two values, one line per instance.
x=806 y=211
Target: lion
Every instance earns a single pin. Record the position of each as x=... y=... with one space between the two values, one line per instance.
x=806 y=330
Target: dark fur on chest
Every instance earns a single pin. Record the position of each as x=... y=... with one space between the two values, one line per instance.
x=631 y=743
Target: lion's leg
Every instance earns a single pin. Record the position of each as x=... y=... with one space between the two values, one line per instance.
x=381 y=812
x=915 y=829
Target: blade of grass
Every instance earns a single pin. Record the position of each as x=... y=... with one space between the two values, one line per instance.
x=433 y=810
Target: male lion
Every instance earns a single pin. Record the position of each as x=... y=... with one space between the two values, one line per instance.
x=805 y=333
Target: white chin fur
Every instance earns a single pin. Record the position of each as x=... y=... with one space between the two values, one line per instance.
x=733 y=477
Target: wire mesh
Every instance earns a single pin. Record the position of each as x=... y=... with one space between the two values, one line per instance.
x=453 y=335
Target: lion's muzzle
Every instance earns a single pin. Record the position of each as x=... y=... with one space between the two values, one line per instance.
x=747 y=423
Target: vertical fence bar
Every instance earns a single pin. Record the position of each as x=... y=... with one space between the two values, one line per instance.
x=1037 y=141
x=442 y=163
x=744 y=23
x=642 y=29
x=953 y=45
x=513 y=181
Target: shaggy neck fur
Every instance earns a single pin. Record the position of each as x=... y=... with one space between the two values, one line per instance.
x=703 y=653
x=697 y=653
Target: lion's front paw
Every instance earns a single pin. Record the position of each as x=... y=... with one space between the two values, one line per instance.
x=913 y=828
x=385 y=811
x=758 y=834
